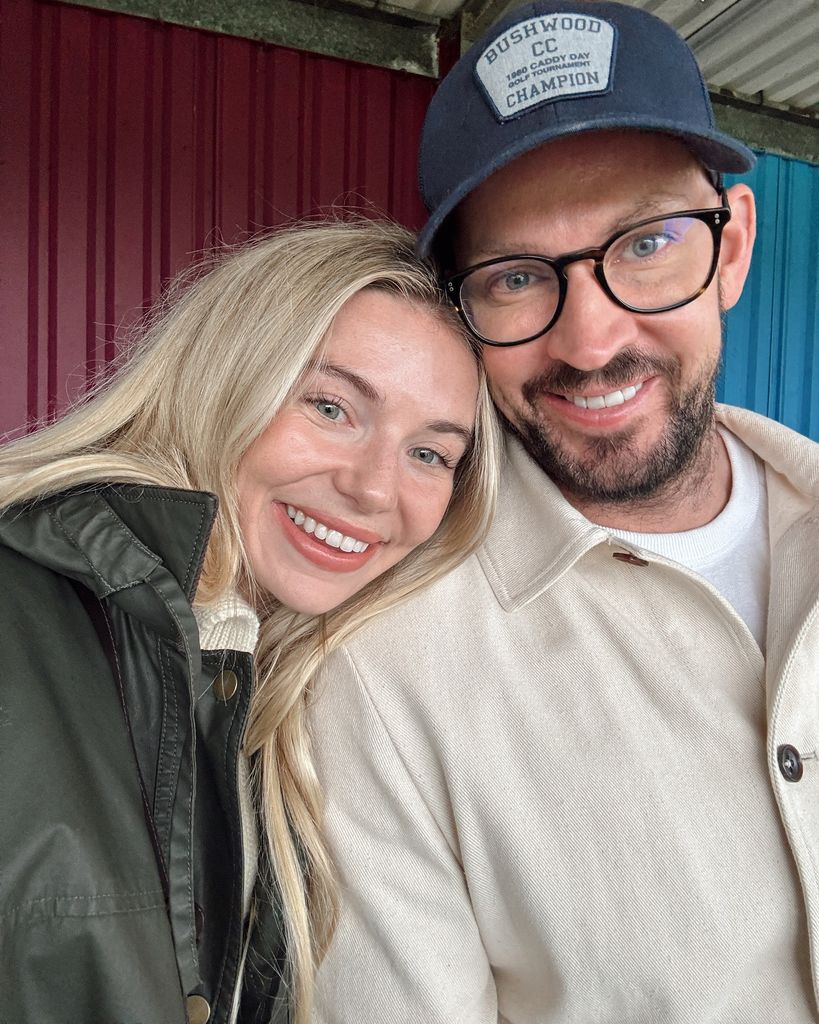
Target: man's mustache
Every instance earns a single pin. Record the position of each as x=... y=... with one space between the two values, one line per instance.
x=626 y=367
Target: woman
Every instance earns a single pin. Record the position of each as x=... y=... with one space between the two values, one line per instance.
x=317 y=386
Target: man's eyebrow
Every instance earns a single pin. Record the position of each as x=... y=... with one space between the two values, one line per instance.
x=659 y=205
x=493 y=250
x=358 y=382
x=449 y=427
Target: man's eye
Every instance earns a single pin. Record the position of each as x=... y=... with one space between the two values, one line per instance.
x=647 y=245
x=329 y=410
x=515 y=280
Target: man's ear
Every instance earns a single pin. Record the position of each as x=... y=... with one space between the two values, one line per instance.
x=737 y=243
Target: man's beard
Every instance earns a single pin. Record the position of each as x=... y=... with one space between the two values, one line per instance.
x=611 y=469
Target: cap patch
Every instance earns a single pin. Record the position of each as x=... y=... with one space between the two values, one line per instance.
x=545 y=59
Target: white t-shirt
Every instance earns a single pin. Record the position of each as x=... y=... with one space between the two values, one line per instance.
x=732 y=552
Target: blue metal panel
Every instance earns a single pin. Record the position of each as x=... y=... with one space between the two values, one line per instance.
x=771 y=358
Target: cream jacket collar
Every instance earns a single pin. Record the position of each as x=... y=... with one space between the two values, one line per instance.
x=537 y=535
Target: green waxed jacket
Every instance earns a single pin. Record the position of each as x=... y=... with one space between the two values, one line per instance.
x=120 y=836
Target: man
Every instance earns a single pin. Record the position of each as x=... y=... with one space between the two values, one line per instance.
x=577 y=780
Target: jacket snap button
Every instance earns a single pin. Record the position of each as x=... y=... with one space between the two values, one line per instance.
x=627 y=556
x=225 y=685
x=198 y=1009
x=790 y=763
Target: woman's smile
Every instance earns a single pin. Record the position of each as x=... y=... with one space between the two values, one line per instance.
x=322 y=545
x=320 y=531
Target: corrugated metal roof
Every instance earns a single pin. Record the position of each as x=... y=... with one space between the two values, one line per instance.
x=755 y=48
x=766 y=51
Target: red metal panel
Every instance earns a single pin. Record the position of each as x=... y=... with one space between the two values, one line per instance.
x=16 y=129
x=68 y=211
x=283 y=152
x=374 y=170
x=233 y=181
x=130 y=145
x=330 y=106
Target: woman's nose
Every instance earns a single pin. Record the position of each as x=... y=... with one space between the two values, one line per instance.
x=370 y=478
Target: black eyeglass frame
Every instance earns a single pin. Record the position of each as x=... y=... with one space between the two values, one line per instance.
x=714 y=218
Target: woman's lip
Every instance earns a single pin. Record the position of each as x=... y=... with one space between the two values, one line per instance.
x=316 y=551
x=348 y=529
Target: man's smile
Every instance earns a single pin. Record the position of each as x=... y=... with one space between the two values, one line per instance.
x=617 y=397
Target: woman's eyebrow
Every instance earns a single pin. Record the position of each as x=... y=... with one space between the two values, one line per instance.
x=362 y=385
x=449 y=427
x=358 y=382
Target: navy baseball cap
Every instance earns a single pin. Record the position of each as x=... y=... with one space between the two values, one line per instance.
x=556 y=68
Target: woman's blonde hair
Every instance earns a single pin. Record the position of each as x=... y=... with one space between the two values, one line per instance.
x=221 y=355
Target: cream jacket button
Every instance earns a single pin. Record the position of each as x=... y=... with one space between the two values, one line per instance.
x=225 y=685
x=790 y=763
x=198 y=1009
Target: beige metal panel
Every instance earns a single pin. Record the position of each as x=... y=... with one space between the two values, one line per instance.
x=807 y=99
x=740 y=46
x=442 y=9
x=756 y=45
x=754 y=48
x=686 y=16
x=784 y=85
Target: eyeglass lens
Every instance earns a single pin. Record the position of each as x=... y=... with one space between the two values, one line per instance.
x=650 y=268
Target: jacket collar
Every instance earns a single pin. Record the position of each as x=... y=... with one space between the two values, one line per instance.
x=537 y=535
x=113 y=537
x=792 y=455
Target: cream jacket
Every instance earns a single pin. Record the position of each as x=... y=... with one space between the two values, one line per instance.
x=553 y=786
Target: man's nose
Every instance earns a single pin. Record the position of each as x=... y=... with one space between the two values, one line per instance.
x=369 y=477
x=591 y=328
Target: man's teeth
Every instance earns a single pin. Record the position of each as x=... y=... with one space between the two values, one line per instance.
x=605 y=401
x=321 y=532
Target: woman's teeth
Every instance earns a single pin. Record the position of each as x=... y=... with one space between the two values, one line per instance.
x=605 y=401
x=332 y=538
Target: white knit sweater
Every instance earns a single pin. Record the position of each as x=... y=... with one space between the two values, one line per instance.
x=231 y=624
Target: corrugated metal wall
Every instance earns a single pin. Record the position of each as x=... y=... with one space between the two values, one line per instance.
x=128 y=145
x=772 y=346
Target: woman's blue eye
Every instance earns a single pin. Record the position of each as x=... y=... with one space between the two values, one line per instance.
x=329 y=410
x=428 y=456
